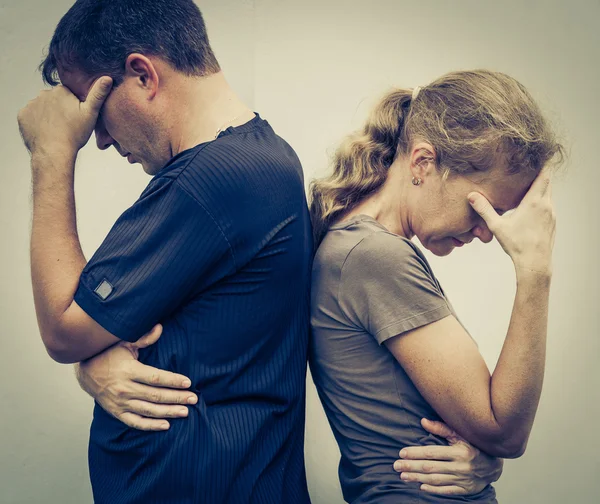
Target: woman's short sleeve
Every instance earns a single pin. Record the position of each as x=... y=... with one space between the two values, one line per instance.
x=388 y=288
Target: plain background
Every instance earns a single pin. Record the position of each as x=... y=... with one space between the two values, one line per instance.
x=313 y=69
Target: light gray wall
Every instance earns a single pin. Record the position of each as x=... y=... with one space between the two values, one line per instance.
x=312 y=69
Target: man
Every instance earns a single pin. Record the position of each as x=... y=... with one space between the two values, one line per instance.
x=217 y=249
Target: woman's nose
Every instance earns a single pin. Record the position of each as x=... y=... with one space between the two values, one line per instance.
x=482 y=232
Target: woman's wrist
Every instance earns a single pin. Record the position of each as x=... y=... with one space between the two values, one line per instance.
x=540 y=271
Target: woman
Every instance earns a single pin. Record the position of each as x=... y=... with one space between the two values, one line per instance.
x=442 y=164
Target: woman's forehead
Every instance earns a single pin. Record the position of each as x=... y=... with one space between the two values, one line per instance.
x=508 y=189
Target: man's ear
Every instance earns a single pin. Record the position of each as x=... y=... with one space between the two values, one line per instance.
x=143 y=71
x=422 y=160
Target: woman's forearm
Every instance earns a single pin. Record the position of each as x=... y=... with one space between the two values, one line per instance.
x=516 y=383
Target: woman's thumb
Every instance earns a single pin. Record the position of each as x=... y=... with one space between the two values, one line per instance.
x=149 y=338
x=483 y=207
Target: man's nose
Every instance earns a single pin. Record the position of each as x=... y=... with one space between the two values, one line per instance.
x=103 y=139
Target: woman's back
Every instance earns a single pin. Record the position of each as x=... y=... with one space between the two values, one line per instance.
x=369 y=285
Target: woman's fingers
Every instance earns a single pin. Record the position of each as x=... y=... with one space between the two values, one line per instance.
x=141 y=423
x=149 y=338
x=542 y=182
x=152 y=410
x=158 y=395
x=158 y=377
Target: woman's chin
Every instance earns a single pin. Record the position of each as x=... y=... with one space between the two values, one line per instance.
x=440 y=248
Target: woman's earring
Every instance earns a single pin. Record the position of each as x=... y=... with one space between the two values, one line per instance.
x=416 y=181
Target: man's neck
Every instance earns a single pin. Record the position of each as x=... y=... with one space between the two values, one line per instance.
x=200 y=108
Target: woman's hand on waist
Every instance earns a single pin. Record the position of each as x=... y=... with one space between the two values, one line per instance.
x=457 y=469
x=140 y=396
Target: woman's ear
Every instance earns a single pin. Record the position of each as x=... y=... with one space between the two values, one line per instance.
x=422 y=160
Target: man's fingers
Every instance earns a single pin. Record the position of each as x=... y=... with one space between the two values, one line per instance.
x=430 y=467
x=444 y=490
x=141 y=423
x=149 y=338
x=433 y=452
x=483 y=207
x=159 y=395
x=438 y=428
x=158 y=377
x=438 y=480
x=151 y=410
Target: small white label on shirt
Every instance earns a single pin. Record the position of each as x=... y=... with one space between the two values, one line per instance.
x=104 y=289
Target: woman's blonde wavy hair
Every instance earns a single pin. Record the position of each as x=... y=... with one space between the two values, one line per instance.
x=469 y=117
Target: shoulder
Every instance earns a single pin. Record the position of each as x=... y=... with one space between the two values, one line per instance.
x=384 y=252
x=244 y=167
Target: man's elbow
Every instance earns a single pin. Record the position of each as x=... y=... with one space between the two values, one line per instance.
x=514 y=450
x=506 y=447
x=58 y=349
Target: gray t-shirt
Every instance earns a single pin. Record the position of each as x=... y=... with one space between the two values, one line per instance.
x=369 y=285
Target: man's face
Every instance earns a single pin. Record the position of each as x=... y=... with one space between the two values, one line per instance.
x=123 y=121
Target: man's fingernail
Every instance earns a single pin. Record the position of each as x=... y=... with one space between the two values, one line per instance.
x=164 y=425
x=183 y=411
x=192 y=400
x=186 y=383
x=403 y=453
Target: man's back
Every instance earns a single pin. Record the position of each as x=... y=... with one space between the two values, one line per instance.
x=218 y=247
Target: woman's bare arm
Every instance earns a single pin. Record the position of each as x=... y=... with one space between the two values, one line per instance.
x=494 y=412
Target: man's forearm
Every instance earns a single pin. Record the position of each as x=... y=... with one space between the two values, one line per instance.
x=56 y=256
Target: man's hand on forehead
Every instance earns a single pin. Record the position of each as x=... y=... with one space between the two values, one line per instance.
x=58 y=123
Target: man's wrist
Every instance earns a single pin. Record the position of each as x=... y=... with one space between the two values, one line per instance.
x=58 y=156
x=52 y=169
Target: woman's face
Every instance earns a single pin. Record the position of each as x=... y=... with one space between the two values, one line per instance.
x=442 y=218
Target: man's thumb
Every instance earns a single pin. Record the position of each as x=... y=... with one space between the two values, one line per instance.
x=100 y=90
x=438 y=428
x=149 y=338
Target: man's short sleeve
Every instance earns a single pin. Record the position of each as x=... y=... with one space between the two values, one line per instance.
x=163 y=250
x=387 y=287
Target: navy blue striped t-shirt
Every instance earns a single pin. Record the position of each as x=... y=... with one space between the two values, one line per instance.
x=218 y=249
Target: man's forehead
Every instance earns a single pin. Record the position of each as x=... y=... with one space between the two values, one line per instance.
x=76 y=81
